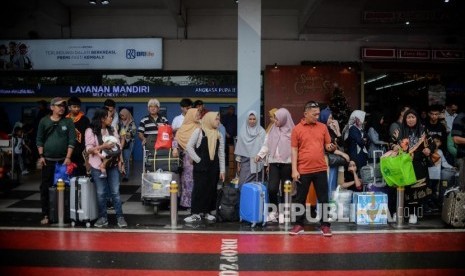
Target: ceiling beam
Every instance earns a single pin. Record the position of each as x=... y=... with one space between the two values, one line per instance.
x=178 y=11
x=307 y=13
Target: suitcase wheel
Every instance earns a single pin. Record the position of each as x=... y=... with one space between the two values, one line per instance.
x=88 y=224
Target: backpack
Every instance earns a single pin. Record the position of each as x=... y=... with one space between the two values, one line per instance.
x=227 y=205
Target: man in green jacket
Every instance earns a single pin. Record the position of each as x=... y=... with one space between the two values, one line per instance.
x=56 y=137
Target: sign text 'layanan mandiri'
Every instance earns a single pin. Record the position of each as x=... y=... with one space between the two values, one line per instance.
x=109 y=91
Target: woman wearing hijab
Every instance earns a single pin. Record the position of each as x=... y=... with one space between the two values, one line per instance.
x=355 y=138
x=127 y=132
x=249 y=141
x=412 y=135
x=326 y=117
x=277 y=147
x=206 y=148
x=376 y=133
x=190 y=124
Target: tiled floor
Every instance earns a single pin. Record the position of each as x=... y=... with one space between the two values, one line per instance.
x=20 y=207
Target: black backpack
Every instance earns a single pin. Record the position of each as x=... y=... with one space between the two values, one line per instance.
x=227 y=204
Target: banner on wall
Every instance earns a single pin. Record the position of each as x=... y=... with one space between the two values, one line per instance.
x=81 y=54
x=115 y=91
x=292 y=86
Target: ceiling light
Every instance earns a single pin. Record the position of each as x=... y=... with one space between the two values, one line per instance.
x=93 y=2
x=407 y=22
x=105 y=2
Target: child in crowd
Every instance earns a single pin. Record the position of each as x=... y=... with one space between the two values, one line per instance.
x=19 y=144
x=442 y=161
x=110 y=156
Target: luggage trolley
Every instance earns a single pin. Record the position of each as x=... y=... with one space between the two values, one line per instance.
x=155 y=186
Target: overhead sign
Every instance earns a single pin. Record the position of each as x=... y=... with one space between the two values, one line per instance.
x=83 y=54
x=412 y=54
x=121 y=91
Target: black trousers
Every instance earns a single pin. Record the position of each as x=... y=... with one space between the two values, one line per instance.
x=48 y=173
x=279 y=173
x=204 y=191
x=320 y=182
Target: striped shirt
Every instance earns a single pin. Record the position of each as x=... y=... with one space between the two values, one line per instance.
x=148 y=125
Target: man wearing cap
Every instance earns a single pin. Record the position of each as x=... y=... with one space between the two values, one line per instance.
x=55 y=143
x=81 y=123
x=148 y=126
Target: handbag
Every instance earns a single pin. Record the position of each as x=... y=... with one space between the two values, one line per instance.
x=164 y=137
x=335 y=160
x=398 y=170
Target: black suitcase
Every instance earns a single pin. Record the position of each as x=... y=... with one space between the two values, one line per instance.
x=53 y=205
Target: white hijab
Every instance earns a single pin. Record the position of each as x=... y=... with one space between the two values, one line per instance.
x=352 y=120
x=250 y=140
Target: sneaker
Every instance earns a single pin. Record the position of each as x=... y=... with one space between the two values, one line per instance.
x=296 y=230
x=326 y=231
x=44 y=220
x=209 y=217
x=122 y=222
x=413 y=219
x=193 y=218
x=272 y=217
x=281 y=218
x=101 y=222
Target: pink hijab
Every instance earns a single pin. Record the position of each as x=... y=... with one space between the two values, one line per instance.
x=280 y=134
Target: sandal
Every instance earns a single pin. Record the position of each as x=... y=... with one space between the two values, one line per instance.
x=44 y=220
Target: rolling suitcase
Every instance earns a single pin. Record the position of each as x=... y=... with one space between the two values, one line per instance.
x=83 y=200
x=253 y=202
x=453 y=209
x=53 y=204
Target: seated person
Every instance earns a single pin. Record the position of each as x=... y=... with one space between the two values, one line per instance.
x=109 y=156
x=351 y=180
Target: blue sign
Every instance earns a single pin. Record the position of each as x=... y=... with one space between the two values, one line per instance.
x=115 y=91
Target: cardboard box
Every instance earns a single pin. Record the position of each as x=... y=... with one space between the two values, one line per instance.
x=370 y=208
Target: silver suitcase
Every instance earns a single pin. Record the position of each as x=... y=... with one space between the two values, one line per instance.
x=83 y=200
x=453 y=209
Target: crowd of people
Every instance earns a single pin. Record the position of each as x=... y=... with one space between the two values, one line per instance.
x=284 y=150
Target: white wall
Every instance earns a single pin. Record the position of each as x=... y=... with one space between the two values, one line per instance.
x=211 y=42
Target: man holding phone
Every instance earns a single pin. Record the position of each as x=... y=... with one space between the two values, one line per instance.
x=309 y=140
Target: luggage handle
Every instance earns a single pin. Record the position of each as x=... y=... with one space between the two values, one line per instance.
x=375 y=152
x=256 y=172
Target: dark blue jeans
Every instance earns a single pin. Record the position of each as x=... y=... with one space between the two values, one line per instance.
x=107 y=188
x=127 y=157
